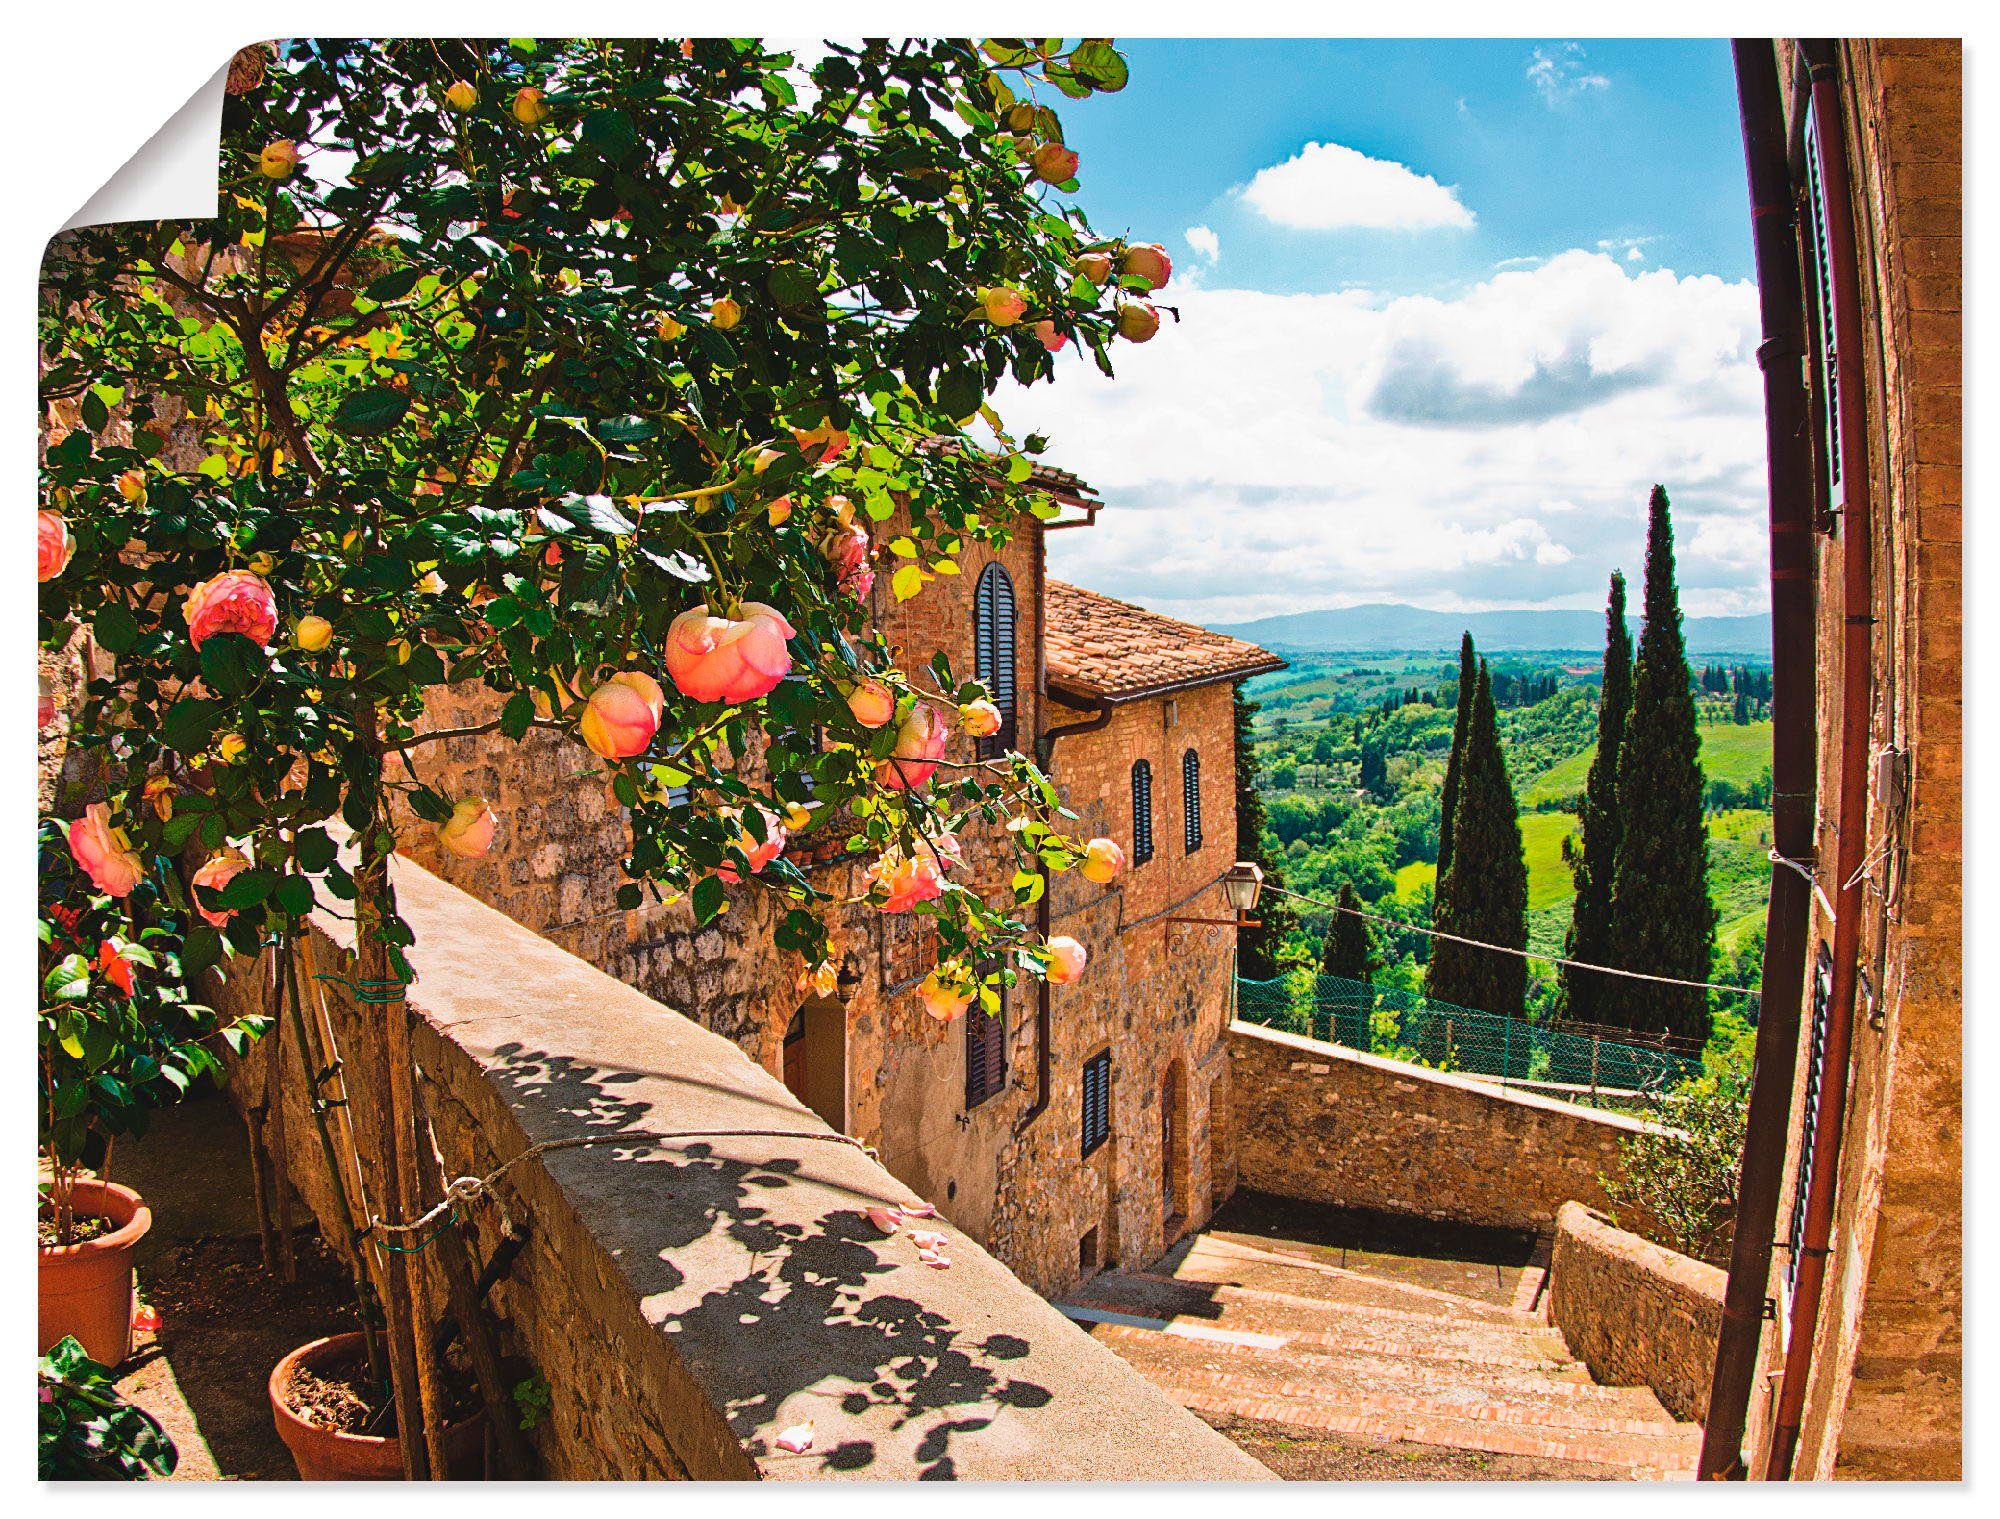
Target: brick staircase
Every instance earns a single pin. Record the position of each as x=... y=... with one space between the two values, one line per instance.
x=1234 y=1331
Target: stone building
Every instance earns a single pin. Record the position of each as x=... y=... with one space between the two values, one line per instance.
x=1073 y=1130
x=1875 y=129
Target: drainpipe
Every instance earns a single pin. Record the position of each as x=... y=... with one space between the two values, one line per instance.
x=1788 y=922
x=1851 y=819
x=1045 y=753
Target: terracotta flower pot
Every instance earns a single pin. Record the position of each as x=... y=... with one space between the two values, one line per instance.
x=85 y=1289
x=331 y=1455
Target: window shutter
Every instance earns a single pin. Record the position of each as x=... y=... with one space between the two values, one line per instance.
x=1819 y=298
x=1142 y=812
x=985 y=1053
x=994 y=653
x=1096 y=1101
x=1822 y=1002
x=1191 y=798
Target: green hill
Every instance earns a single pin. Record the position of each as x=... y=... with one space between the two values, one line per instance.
x=1728 y=753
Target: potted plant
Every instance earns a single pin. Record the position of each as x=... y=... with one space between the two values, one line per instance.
x=118 y=1038
x=87 y=1431
x=332 y=1416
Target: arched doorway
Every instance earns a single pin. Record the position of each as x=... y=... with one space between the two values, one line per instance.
x=815 y=1060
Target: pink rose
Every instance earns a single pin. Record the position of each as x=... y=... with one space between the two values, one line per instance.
x=104 y=852
x=468 y=832
x=1150 y=262
x=872 y=703
x=622 y=715
x=217 y=872
x=947 y=992
x=847 y=551
x=720 y=659
x=53 y=545
x=1054 y=164
x=906 y=880
x=1052 y=337
x=236 y=601
x=1137 y=321
x=1102 y=861
x=760 y=853
x=1066 y=960
x=980 y=718
x=920 y=744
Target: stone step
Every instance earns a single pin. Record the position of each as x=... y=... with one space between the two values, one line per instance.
x=1645 y=1456
x=1213 y=1260
x=1457 y=1389
x=1215 y=1297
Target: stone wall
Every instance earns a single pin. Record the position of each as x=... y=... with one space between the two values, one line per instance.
x=1635 y=1313
x=1885 y=1398
x=1323 y=1123
x=689 y=1298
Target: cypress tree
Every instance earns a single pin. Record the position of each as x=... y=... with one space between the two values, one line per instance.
x=1662 y=921
x=1484 y=893
x=1349 y=948
x=1257 y=948
x=1589 y=936
x=1467 y=679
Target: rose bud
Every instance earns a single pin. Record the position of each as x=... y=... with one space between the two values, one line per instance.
x=229 y=748
x=728 y=659
x=1054 y=164
x=1102 y=861
x=529 y=107
x=947 y=992
x=798 y=815
x=760 y=852
x=724 y=314
x=217 y=873
x=1003 y=306
x=1137 y=321
x=104 y=852
x=872 y=703
x=54 y=546
x=132 y=486
x=622 y=715
x=780 y=511
x=236 y=601
x=668 y=328
x=847 y=552
x=313 y=633
x=1020 y=117
x=980 y=718
x=279 y=160
x=115 y=967
x=1052 y=337
x=1066 y=960
x=461 y=95
x=159 y=795
x=468 y=832
x=1095 y=267
x=920 y=744
x=1149 y=261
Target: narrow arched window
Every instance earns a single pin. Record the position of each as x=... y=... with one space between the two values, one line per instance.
x=1191 y=798
x=1142 y=812
x=993 y=653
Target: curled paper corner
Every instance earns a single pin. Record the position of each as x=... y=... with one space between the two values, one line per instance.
x=173 y=176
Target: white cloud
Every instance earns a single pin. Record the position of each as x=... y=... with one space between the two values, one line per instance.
x=1204 y=242
x=1275 y=453
x=1327 y=185
x=1559 y=74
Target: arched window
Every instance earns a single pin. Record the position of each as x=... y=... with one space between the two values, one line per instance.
x=1191 y=798
x=1142 y=812
x=993 y=652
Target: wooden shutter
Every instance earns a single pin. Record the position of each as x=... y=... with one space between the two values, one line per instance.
x=1191 y=798
x=1096 y=1100
x=985 y=1053
x=993 y=653
x=1822 y=1003
x=1824 y=329
x=1142 y=812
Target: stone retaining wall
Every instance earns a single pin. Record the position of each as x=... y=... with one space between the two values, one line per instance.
x=1323 y=1123
x=1636 y=1313
x=687 y=1300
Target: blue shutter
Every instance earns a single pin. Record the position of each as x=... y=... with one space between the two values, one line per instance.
x=994 y=653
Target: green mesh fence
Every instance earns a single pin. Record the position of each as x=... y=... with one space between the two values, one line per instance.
x=1404 y=1026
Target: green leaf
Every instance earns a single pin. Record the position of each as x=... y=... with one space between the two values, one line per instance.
x=708 y=896
x=431 y=806
x=394 y=285
x=368 y=413
x=606 y=518
x=959 y=394
x=1098 y=64
x=231 y=663
x=115 y=627
x=247 y=888
x=293 y=895
x=792 y=285
x=316 y=850
x=611 y=132
x=518 y=715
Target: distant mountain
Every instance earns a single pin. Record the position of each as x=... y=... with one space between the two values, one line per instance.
x=1384 y=627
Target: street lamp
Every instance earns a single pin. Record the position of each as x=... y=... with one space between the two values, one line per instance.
x=847 y=983
x=1242 y=883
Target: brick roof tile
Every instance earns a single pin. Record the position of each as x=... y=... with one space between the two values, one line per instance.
x=1111 y=650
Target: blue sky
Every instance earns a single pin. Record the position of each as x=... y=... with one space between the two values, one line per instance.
x=1447 y=310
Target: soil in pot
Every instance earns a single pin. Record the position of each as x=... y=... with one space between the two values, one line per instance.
x=339 y=1425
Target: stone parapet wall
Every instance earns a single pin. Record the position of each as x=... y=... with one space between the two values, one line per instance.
x=1635 y=1313
x=687 y=1300
x=1322 y=1123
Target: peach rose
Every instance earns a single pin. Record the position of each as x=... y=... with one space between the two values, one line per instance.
x=236 y=601
x=1095 y=267
x=104 y=852
x=907 y=879
x=1002 y=305
x=847 y=552
x=622 y=715
x=760 y=853
x=468 y=832
x=529 y=107
x=980 y=718
x=313 y=633
x=947 y=992
x=1054 y=164
x=920 y=744
x=723 y=659
x=872 y=703
x=1066 y=960
x=1052 y=337
x=279 y=160
x=217 y=872
x=779 y=512
x=1149 y=261
x=1102 y=861
x=53 y=545
x=1137 y=321
x=724 y=314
